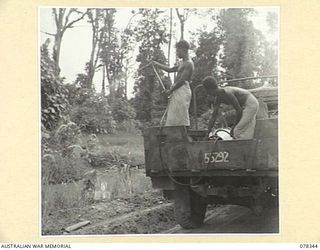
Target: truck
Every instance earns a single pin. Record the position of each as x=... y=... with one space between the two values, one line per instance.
x=194 y=172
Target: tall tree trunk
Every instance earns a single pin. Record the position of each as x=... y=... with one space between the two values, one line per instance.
x=56 y=52
x=182 y=30
x=182 y=20
x=126 y=81
x=170 y=38
x=97 y=39
x=103 y=90
x=126 y=88
x=110 y=80
x=91 y=69
x=58 y=38
x=62 y=24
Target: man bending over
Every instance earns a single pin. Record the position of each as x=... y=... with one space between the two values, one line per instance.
x=245 y=104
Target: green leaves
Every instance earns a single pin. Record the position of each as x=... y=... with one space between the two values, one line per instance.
x=93 y=115
x=151 y=33
x=241 y=57
x=54 y=101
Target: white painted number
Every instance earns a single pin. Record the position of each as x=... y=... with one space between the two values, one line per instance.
x=206 y=157
x=216 y=157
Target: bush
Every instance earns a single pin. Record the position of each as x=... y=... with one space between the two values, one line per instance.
x=94 y=115
x=54 y=102
x=68 y=134
x=122 y=110
x=64 y=158
x=77 y=95
x=129 y=126
x=58 y=169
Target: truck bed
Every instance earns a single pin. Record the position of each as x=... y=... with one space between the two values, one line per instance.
x=181 y=152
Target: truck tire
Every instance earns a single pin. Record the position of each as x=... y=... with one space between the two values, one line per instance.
x=189 y=208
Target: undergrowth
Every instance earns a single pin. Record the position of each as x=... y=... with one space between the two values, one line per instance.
x=79 y=169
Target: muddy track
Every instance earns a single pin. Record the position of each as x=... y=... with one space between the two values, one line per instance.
x=160 y=220
x=217 y=215
x=150 y=213
x=103 y=211
x=146 y=221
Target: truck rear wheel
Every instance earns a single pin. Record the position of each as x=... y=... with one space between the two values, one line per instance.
x=189 y=208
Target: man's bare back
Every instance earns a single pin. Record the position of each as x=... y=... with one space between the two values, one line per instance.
x=245 y=104
x=240 y=94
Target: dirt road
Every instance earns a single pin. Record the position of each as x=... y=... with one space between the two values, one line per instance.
x=231 y=219
x=157 y=217
x=149 y=213
x=159 y=220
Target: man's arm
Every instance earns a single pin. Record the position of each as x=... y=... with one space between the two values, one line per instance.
x=165 y=67
x=235 y=103
x=214 y=116
x=187 y=71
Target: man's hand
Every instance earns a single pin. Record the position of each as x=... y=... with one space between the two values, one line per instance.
x=155 y=63
x=167 y=93
x=206 y=138
x=232 y=133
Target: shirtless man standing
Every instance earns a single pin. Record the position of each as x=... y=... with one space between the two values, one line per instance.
x=180 y=91
x=245 y=104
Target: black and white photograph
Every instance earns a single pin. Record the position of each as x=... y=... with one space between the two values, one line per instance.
x=158 y=121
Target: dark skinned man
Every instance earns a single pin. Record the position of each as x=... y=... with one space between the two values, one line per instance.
x=180 y=91
x=245 y=104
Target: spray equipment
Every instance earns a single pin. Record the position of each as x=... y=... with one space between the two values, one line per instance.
x=221 y=134
x=156 y=73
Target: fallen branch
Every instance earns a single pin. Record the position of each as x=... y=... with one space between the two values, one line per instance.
x=77 y=226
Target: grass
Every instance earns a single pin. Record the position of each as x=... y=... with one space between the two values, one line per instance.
x=119 y=182
x=125 y=144
x=60 y=196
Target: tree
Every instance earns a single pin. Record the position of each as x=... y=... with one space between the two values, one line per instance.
x=183 y=18
x=95 y=16
x=126 y=46
x=82 y=79
x=127 y=70
x=241 y=42
x=272 y=20
x=122 y=109
x=170 y=38
x=93 y=115
x=114 y=51
x=206 y=61
x=270 y=46
x=80 y=90
x=63 y=22
x=151 y=32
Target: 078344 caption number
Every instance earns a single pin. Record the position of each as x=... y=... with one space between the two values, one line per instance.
x=308 y=245
x=216 y=157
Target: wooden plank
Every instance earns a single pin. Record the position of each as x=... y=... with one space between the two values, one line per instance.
x=77 y=226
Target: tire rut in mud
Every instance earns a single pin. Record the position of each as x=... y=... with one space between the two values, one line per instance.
x=216 y=216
